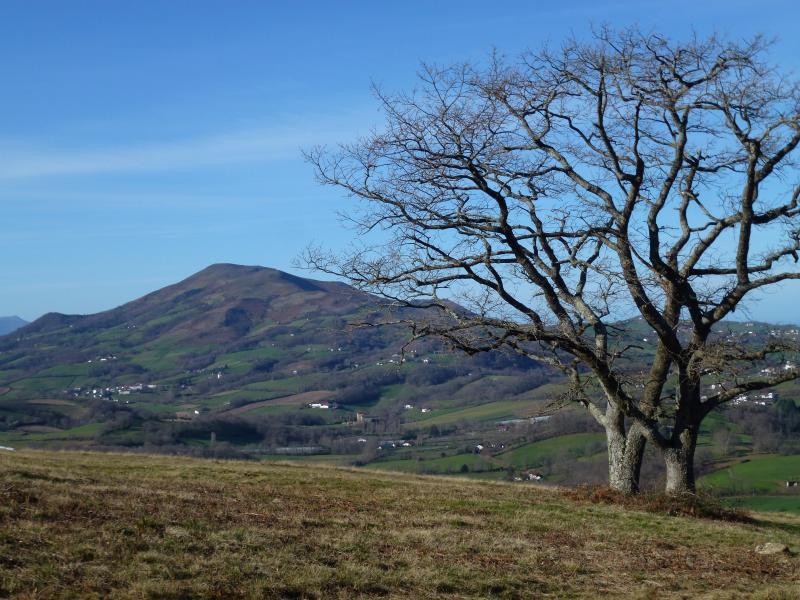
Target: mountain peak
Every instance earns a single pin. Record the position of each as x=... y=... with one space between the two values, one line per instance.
x=9 y=324
x=219 y=305
x=233 y=269
x=224 y=273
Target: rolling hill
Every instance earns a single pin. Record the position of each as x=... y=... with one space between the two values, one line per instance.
x=244 y=343
x=227 y=320
x=10 y=324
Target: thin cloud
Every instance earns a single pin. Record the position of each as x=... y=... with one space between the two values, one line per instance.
x=240 y=147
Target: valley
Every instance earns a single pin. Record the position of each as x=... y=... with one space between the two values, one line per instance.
x=251 y=362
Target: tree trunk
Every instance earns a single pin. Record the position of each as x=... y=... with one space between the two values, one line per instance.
x=680 y=466
x=625 y=454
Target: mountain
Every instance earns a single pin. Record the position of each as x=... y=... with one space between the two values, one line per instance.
x=231 y=341
x=229 y=319
x=9 y=324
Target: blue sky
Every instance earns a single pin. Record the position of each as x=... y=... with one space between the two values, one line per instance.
x=142 y=141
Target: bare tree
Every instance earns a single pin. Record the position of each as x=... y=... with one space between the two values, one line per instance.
x=554 y=195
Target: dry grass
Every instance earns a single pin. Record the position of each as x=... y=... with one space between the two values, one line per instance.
x=131 y=526
x=699 y=506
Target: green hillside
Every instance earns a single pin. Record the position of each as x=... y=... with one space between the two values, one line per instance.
x=137 y=526
x=243 y=354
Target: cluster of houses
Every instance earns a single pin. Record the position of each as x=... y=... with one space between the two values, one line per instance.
x=772 y=370
x=761 y=399
x=488 y=446
x=411 y=407
x=779 y=333
x=106 y=392
x=188 y=415
x=387 y=444
x=782 y=332
x=397 y=359
x=733 y=336
x=102 y=359
x=529 y=476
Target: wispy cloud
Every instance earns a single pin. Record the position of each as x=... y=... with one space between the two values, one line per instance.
x=174 y=230
x=237 y=147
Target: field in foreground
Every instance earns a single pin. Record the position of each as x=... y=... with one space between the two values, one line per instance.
x=134 y=526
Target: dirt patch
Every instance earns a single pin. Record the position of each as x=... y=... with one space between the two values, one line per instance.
x=293 y=400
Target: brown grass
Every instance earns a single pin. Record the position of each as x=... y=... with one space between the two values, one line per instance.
x=698 y=506
x=132 y=526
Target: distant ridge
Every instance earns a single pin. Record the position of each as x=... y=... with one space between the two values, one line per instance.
x=244 y=323
x=9 y=324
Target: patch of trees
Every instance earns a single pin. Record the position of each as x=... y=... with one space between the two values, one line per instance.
x=773 y=430
x=358 y=394
x=115 y=368
x=264 y=366
x=433 y=374
x=20 y=414
x=237 y=320
x=370 y=378
x=230 y=429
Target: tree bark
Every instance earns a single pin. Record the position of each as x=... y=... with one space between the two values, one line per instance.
x=625 y=454
x=680 y=465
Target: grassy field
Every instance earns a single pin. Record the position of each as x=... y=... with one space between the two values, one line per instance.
x=482 y=412
x=523 y=457
x=758 y=483
x=534 y=454
x=784 y=503
x=761 y=474
x=134 y=526
x=446 y=464
x=82 y=432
